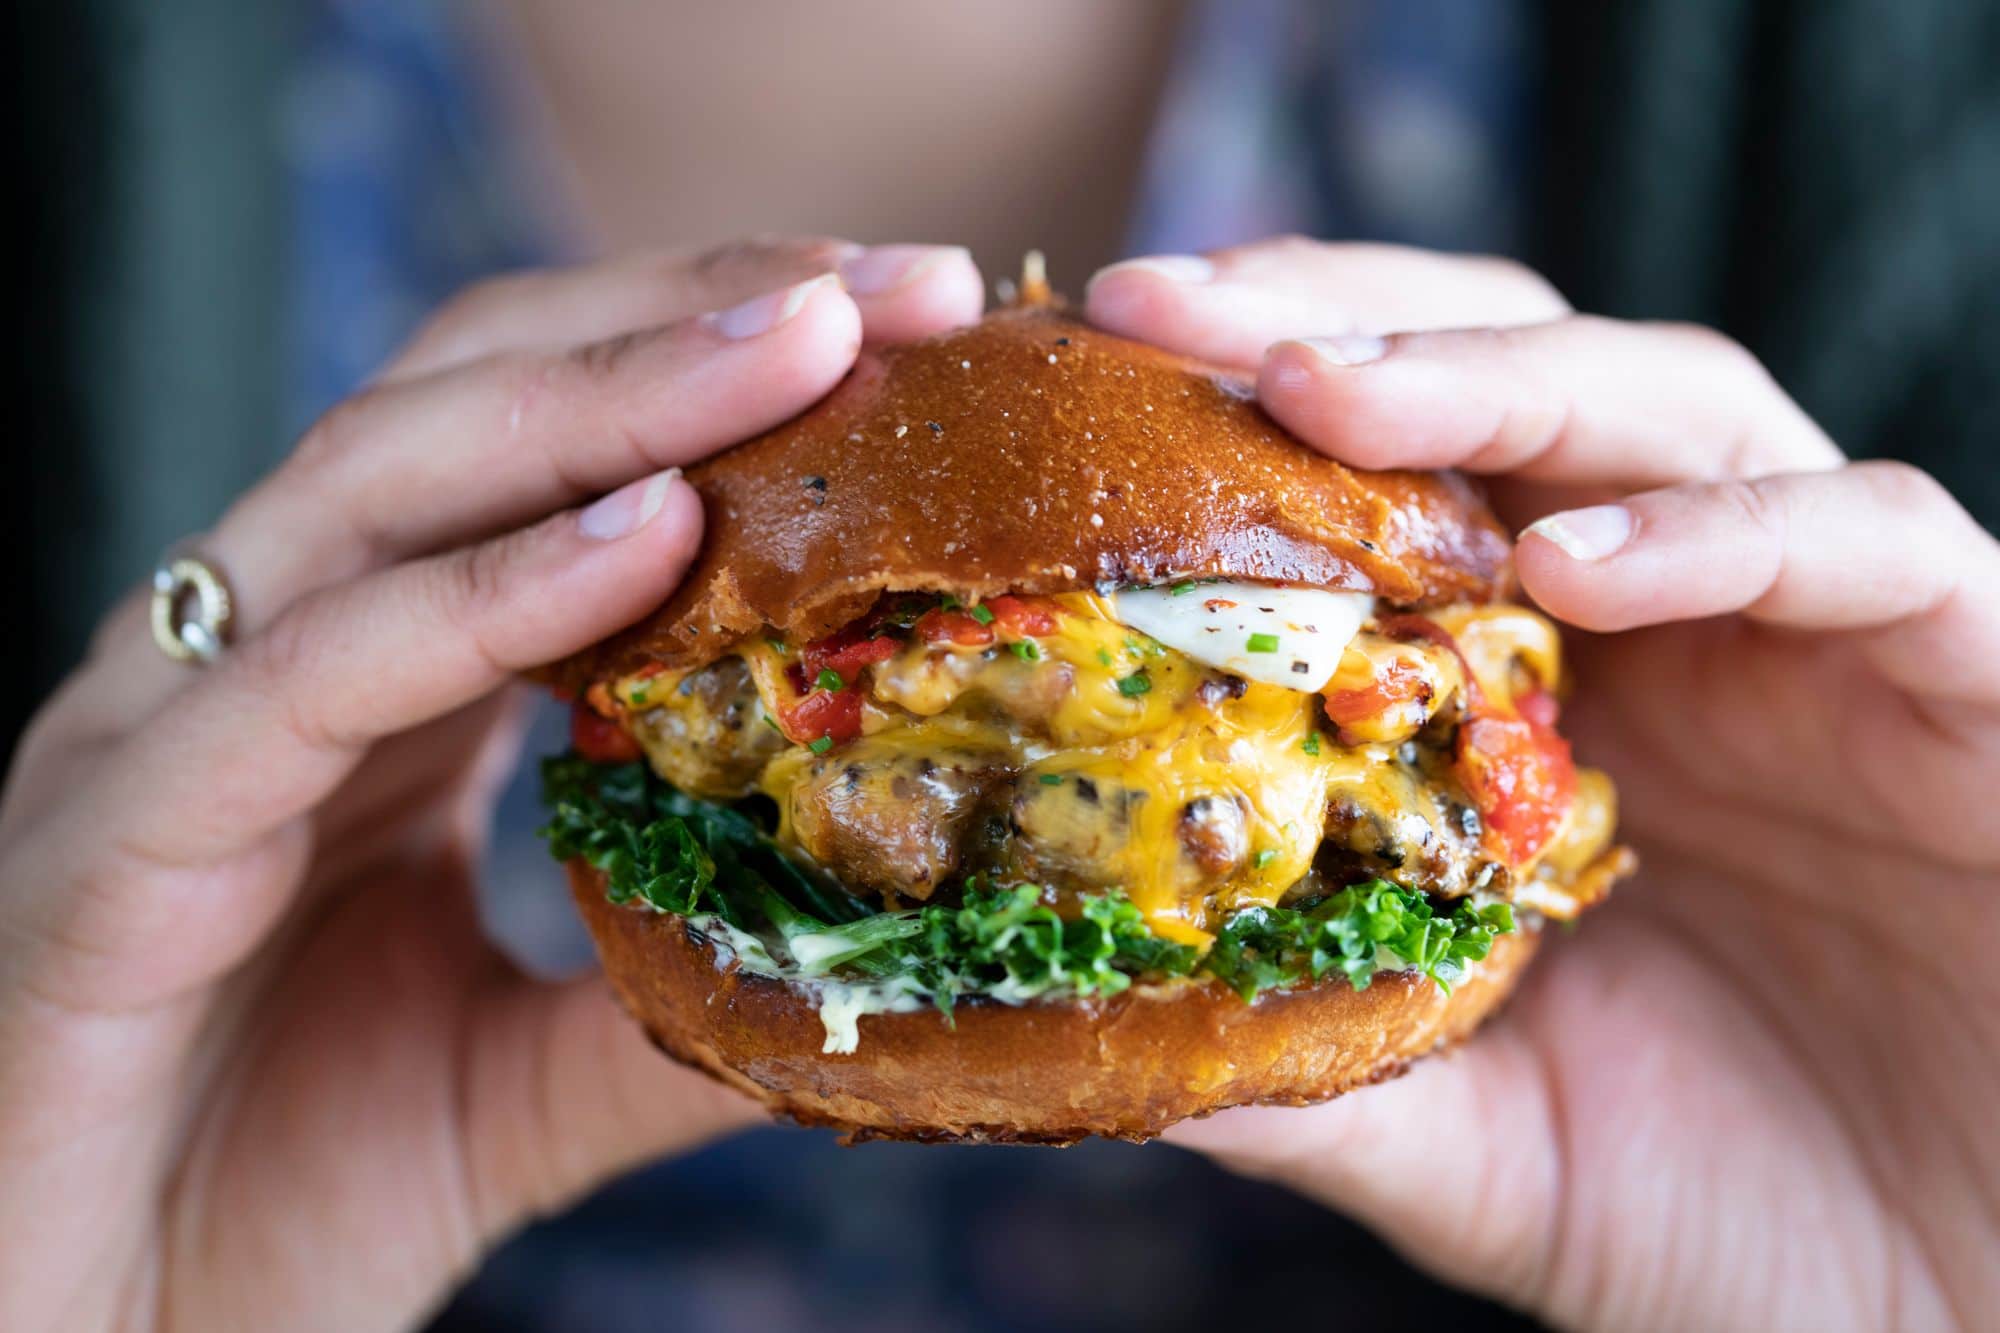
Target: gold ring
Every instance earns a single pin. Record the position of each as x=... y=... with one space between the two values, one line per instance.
x=192 y=608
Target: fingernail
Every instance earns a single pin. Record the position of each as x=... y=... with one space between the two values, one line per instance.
x=1174 y=268
x=627 y=509
x=761 y=314
x=883 y=268
x=1348 y=349
x=1585 y=534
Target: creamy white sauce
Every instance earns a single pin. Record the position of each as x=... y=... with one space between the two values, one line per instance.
x=812 y=951
x=842 y=1004
x=1289 y=637
x=746 y=948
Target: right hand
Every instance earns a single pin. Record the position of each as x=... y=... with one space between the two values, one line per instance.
x=258 y=1067
x=1758 y=1088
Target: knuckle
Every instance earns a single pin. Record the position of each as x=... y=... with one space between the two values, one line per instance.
x=1542 y=412
x=1720 y=351
x=1502 y=266
x=284 y=650
x=1907 y=487
x=337 y=430
x=470 y=587
x=601 y=359
x=474 y=580
x=658 y=265
x=748 y=260
x=735 y=253
x=1908 y=491
x=1513 y=273
x=470 y=307
x=1582 y=327
x=279 y=666
x=1759 y=505
x=821 y=254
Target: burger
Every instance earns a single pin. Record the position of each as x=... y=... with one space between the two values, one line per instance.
x=1045 y=744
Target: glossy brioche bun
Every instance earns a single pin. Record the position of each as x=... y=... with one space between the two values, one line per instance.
x=1047 y=1072
x=1033 y=453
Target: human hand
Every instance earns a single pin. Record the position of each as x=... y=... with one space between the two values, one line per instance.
x=258 y=1068
x=1756 y=1091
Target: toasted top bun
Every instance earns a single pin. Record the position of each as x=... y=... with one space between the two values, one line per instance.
x=1033 y=453
x=1051 y=1071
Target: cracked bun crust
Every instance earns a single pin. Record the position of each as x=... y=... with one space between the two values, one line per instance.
x=1045 y=1072
x=1031 y=453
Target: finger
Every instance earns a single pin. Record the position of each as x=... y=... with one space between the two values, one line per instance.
x=267 y=733
x=303 y=528
x=1878 y=549
x=564 y=1091
x=365 y=660
x=903 y=291
x=1229 y=306
x=413 y=467
x=1580 y=401
x=907 y=292
x=432 y=463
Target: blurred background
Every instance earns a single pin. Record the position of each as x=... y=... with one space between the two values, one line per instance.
x=235 y=211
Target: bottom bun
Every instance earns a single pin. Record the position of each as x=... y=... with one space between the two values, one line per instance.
x=1050 y=1072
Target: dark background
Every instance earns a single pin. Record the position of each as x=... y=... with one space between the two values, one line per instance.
x=1821 y=180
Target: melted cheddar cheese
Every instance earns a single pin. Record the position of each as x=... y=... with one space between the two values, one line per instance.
x=1122 y=752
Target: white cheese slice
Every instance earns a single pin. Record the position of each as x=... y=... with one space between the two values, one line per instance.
x=1289 y=637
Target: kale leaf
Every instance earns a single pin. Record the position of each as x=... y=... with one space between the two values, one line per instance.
x=685 y=856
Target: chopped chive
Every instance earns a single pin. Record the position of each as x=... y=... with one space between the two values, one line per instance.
x=1312 y=743
x=828 y=679
x=772 y=723
x=1180 y=589
x=1051 y=779
x=1104 y=656
x=820 y=746
x=1264 y=858
x=1136 y=684
x=777 y=645
x=1025 y=649
x=949 y=603
x=638 y=696
x=1263 y=643
x=981 y=614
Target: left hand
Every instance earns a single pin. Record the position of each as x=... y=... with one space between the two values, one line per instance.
x=259 y=1069
x=1757 y=1089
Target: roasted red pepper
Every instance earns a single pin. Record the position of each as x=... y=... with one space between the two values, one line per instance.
x=1024 y=617
x=834 y=715
x=1401 y=685
x=824 y=710
x=598 y=738
x=954 y=627
x=846 y=652
x=1519 y=773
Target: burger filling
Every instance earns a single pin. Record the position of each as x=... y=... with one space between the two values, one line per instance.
x=1064 y=794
